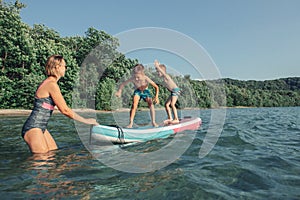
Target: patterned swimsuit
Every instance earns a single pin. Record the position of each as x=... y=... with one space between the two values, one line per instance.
x=40 y=115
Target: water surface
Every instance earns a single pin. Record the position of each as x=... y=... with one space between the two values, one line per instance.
x=256 y=157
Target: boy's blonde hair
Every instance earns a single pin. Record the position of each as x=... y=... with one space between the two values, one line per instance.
x=139 y=68
x=51 y=64
x=163 y=67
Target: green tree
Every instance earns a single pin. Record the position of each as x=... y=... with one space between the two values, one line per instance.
x=94 y=54
x=6 y=92
x=24 y=52
x=16 y=51
x=105 y=97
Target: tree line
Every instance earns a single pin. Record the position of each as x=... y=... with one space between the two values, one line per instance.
x=96 y=68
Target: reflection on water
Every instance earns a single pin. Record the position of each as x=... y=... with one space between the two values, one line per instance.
x=42 y=161
x=49 y=173
x=44 y=168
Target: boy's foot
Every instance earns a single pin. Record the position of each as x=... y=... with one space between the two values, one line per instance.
x=155 y=124
x=129 y=125
x=175 y=121
x=166 y=122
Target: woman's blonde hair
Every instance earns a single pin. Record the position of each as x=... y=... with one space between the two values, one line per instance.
x=51 y=64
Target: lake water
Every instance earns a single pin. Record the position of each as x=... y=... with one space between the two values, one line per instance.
x=257 y=156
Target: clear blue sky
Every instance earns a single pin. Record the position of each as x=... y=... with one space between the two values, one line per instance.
x=247 y=39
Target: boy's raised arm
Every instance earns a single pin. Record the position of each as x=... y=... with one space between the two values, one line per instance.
x=156 y=64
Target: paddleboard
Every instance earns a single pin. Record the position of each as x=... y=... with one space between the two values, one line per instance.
x=121 y=135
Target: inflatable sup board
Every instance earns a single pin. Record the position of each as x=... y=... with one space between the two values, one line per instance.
x=116 y=134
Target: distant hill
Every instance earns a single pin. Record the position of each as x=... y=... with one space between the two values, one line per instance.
x=268 y=93
x=291 y=83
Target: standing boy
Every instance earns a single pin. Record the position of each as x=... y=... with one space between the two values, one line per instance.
x=175 y=92
x=140 y=81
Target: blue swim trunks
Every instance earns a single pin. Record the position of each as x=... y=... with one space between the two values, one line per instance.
x=143 y=94
x=175 y=92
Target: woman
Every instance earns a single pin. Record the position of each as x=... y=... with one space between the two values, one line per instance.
x=47 y=96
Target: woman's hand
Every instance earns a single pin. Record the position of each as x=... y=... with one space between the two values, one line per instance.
x=92 y=121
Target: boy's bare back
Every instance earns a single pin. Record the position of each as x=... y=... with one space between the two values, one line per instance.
x=161 y=69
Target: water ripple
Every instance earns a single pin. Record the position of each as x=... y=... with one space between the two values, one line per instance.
x=256 y=157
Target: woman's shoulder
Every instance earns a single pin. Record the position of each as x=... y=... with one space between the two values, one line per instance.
x=52 y=85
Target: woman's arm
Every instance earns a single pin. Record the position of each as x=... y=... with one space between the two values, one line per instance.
x=60 y=102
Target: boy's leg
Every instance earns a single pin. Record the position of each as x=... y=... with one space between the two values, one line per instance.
x=173 y=105
x=134 y=106
x=152 y=111
x=168 y=110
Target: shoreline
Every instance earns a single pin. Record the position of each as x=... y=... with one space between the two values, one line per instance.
x=22 y=112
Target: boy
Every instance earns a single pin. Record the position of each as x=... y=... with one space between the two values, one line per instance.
x=175 y=92
x=140 y=81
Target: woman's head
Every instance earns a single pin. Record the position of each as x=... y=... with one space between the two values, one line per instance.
x=55 y=66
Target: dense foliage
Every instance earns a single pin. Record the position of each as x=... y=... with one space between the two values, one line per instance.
x=95 y=69
x=269 y=93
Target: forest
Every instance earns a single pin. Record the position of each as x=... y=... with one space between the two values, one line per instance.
x=96 y=68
